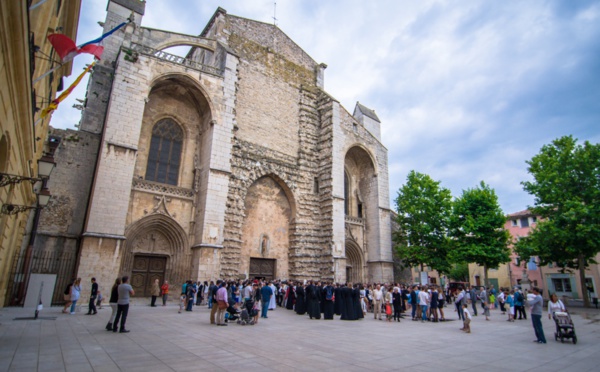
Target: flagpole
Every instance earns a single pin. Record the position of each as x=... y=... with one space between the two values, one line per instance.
x=47 y=73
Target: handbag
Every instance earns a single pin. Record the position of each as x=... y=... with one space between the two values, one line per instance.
x=222 y=305
x=388 y=309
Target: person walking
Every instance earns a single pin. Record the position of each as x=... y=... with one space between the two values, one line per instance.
x=413 y=302
x=114 y=297
x=212 y=295
x=164 y=289
x=536 y=302
x=474 y=296
x=555 y=305
x=467 y=322
x=155 y=292
x=520 y=304
x=485 y=302
x=93 y=294
x=75 y=294
x=222 y=304
x=433 y=305
x=424 y=303
x=67 y=296
x=377 y=300
x=458 y=302
x=266 y=293
x=125 y=291
x=396 y=300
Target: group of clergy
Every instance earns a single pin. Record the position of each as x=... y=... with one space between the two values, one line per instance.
x=315 y=298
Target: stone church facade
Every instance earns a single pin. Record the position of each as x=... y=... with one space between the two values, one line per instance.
x=232 y=162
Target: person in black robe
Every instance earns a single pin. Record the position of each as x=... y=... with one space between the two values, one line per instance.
x=312 y=295
x=328 y=304
x=300 y=300
x=348 y=312
x=322 y=296
x=356 y=301
x=337 y=302
x=290 y=297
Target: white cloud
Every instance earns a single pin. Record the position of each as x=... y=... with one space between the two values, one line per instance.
x=466 y=91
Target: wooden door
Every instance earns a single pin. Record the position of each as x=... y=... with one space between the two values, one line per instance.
x=145 y=270
x=262 y=268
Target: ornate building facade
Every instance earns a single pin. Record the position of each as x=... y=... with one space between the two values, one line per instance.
x=232 y=162
x=26 y=87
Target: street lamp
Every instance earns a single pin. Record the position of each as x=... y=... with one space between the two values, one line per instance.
x=45 y=166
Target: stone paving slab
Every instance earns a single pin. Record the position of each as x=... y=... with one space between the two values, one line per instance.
x=161 y=339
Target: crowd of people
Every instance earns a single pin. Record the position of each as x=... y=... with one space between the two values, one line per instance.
x=325 y=300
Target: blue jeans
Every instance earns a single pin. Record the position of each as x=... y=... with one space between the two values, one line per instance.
x=210 y=302
x=265 y=309
x=537 y=327
x=413 y=310
x=459 y=310
x=424 y=312
x=73 y=306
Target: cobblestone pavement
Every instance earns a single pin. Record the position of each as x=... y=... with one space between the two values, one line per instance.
x=163 y=340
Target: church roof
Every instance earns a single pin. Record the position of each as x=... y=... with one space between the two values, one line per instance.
x=368 y=112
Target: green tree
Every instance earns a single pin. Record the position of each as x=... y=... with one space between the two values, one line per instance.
x=459 y=272
x=477 y=229
x=423 y=215
x=566 y=187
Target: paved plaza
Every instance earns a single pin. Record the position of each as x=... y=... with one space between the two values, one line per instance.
x=163 y=340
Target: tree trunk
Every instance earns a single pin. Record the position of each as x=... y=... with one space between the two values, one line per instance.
x=584 y=291
x=485 y=277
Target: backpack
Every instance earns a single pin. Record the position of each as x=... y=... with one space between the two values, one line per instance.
x=329 y=294
x=518 y=297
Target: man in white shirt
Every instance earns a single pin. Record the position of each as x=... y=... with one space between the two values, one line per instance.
x=424 y=299
x=377 y=300
x=501 y=298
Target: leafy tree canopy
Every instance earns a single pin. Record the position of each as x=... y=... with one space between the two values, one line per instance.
x=477 y=229
x=566 y=187
x=423 y=215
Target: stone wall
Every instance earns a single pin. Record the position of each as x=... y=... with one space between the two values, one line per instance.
x=265 y=232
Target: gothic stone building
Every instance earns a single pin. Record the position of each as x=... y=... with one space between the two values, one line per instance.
x=232 y=162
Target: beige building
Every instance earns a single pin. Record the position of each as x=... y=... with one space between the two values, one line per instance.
x=232 y=162
x=25 y=57
x=549 y=278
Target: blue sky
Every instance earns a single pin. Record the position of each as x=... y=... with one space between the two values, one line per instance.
x=466 y=91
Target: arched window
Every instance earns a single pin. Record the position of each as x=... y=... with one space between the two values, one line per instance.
x=165 y=152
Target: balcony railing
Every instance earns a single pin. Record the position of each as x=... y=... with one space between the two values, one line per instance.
x=354 y=220
x=146 y=50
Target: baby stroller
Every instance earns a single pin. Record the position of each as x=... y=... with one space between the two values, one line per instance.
x=564 y=327
x=247 y=314
x=232 y=314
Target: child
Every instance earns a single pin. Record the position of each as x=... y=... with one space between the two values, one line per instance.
x=99 y=300
x=467 y=321
x=182 y=302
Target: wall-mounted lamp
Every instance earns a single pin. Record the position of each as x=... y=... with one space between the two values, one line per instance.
x=45 y=166
x=43 y=199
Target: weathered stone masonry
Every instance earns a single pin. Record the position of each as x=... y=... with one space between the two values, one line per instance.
x=258 y=131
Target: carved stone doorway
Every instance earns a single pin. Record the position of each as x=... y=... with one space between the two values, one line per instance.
x=145 y=270
x=262 y=268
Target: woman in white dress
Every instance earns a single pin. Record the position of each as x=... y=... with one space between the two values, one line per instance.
x=273 y=302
